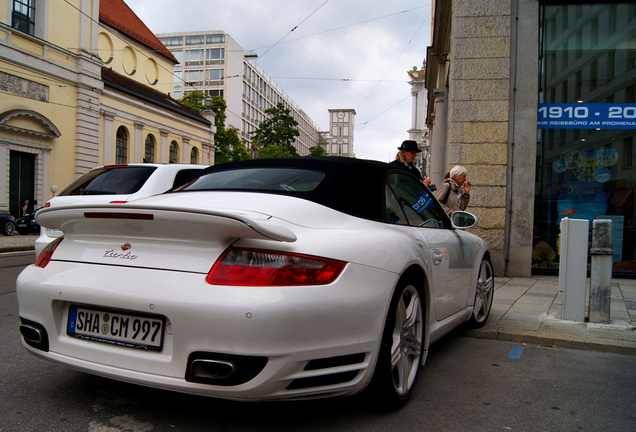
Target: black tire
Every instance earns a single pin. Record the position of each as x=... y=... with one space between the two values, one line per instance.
x=484 y=293
x=400 y=353
x=8 y=228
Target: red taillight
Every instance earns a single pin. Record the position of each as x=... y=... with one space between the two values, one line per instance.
x=267 y=268
x=47 y=204
x=47 y=253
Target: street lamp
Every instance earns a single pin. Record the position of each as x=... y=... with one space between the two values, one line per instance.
x=208 y=103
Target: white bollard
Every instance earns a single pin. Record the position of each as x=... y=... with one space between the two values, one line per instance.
x=573 y=269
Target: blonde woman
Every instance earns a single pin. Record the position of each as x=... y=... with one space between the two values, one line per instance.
x=405 y=157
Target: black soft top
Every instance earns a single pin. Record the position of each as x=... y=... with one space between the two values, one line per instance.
x=352 y=186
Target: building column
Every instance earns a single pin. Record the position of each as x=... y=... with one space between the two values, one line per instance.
x=138 y=143
x=163 y=146
x=522 y=149
x=185 y=152
x=107 y=144
x=438 y=138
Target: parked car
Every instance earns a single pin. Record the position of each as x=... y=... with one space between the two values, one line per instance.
x=27 y=224
x=266 y=279
x=8 y=223
x=116 y=184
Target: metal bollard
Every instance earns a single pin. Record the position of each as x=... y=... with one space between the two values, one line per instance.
x=572 y=269
x=602 y=255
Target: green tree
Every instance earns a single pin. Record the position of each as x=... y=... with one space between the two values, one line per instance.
x=239 y=152
x=228 y=145
x=194 y=101
x=271 y=151
x=317 y=150
x=279 y=130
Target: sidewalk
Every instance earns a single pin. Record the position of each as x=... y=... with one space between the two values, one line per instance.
x=524 y=310
x=17 y=242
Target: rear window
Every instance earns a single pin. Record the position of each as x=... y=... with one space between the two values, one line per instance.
x=263 y=179
x=184 y=175
x=110 y=181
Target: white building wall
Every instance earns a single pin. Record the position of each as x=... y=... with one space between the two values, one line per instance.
x=247 y=89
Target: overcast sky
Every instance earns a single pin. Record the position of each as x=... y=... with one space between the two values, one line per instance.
x=341 y=54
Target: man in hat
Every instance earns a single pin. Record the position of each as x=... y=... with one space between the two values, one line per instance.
x=405 y=157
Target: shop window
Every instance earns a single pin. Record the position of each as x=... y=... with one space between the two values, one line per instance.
x=611 y=64
x=585 y=169
x=627 y=152
x=612 y=17
x=593 y=75
x=631 y=53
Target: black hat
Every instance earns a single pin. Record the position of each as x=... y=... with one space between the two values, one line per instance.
x=409 y=145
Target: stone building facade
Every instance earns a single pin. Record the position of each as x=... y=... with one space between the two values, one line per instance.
x=477 y=119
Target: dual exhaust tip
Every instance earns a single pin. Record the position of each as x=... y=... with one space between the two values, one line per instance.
x=223 y=369
x=34 y=334
x=212 y=369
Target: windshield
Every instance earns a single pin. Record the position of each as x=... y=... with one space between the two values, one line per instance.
x=265 y=179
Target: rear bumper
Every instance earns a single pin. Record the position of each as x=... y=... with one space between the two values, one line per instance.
x=292 y=327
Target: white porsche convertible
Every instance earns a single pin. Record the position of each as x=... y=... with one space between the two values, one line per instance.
x=259 y=280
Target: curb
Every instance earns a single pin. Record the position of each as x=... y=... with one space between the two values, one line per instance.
x=17 y=248
x=555 y=340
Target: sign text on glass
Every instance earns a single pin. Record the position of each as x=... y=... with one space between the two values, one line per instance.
x=586 y=116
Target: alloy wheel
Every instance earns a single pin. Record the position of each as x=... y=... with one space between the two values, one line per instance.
x=408 y=333
x=484 y=293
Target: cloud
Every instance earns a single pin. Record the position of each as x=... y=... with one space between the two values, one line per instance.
x=341 y=54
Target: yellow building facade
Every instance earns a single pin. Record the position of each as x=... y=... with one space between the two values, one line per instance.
x=84 y=84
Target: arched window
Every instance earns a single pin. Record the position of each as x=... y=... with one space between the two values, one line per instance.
x=194 y=156
x=174 y=152
x=121 y=147
x=149 y=151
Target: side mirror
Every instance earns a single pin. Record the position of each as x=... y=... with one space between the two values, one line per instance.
x=463 y=220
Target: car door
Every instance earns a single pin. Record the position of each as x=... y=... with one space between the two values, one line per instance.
x=449 y=251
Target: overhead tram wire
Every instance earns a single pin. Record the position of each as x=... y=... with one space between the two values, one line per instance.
x=297 y=25
x=378 y=115
x=387 y=71
x=333 y=79
x=340 y=28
